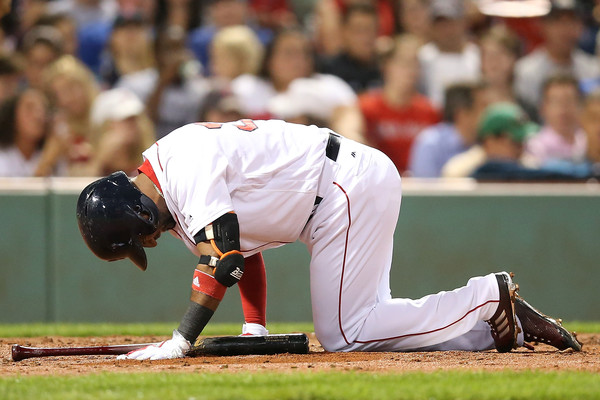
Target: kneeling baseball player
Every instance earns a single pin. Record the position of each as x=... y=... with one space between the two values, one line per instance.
x=230 y=191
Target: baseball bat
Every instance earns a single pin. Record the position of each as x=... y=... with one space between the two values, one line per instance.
x=220 y=346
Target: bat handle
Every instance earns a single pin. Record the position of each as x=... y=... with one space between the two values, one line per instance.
x=19 y=352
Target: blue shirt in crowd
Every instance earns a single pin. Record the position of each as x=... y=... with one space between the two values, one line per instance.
x=433 y=148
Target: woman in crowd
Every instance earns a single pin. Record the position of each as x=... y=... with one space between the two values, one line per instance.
x=500 y=50
x=72 y=89
x=25 y=128
x=235 y=50
x=289 y=57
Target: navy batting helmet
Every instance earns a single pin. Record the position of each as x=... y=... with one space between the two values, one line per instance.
x=113 y=216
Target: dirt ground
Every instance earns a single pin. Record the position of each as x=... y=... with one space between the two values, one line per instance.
x=543 y=358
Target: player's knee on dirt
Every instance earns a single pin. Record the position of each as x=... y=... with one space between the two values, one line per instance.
x=224 y=236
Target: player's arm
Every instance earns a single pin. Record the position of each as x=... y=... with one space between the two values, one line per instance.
x=221 y=265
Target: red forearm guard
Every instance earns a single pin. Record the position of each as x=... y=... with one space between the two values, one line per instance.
x=207 y=284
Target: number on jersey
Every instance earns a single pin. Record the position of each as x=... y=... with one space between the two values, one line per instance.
x=244 y=124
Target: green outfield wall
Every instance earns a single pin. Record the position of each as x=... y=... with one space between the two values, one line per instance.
x=447 y=232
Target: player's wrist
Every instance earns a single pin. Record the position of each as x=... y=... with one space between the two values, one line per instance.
x=194 y=320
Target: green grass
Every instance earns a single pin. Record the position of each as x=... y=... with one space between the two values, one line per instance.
x=137 y=329
x=164 y=329
x=330 y=385
x=287 y=385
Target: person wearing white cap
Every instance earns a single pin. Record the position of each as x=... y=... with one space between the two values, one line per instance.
x=120 y=129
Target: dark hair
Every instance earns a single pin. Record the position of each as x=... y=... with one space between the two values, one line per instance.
x=561 y=79
x=359 y=8
x=8 y=65
x=270 y=48
x=8 y=121
x=460 y=96
x=194 y=12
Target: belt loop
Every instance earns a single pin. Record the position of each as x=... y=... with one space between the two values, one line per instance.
x=333 y=146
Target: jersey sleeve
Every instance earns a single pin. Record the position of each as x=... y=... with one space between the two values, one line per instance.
x=197 y=182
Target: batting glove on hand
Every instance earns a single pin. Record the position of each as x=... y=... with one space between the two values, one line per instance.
x=250 y=329
x=176 y=347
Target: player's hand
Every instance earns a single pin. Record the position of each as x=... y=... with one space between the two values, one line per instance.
x=176 y=347
x=250 y=329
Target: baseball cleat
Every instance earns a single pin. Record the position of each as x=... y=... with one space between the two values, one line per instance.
x=540 y=328
x=504 y=323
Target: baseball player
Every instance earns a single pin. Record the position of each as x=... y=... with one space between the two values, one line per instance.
x=230 y=191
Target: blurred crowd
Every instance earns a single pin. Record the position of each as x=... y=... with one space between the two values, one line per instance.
x=443 y=89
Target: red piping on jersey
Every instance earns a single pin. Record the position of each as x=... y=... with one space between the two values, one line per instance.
x=428 y=332
x=343 y=265
x=146 y=169
x=158 y=158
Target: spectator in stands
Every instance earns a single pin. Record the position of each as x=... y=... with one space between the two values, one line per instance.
x=502 y=132
x=395 y=114
x=121 y=132
x=449 y=57
x=222 y=13
x=133 y=65
x=220 y=105
x=235 y=50
x=72 y=89
x=85 y=11
x=25 y=128
x=274 y=14
x=287 y=58
x=305 y=102
x=590 y=123
x=356 y=63
x=328 y=15
x=94 y=37
x=415 y=18
x=464 y=105
x=41 y=46
x=184 y=14
x=500 y=49
x=561 y=137
x=10 y=76
x=67 y=27
x=180 y=88
x=561 y=28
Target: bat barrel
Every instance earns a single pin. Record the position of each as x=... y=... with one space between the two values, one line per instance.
x=245 y=345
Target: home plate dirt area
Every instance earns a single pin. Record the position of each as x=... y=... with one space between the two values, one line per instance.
x=543 y=358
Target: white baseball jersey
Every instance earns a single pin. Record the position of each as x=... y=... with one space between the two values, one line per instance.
x=270 y=173
x=267 y=172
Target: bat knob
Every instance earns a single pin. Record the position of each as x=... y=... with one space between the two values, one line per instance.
x=16 y=352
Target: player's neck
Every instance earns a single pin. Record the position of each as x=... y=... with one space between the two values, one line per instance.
x=147 y=187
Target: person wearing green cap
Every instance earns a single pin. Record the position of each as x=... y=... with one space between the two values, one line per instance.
x=502 y=132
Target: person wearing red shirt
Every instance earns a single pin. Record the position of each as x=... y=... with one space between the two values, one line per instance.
x=396 y=113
